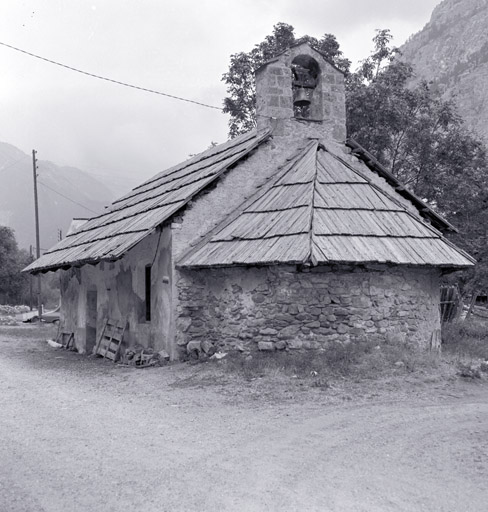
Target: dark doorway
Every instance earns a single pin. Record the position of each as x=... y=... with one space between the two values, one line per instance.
x=148 y=292
x=91 y=320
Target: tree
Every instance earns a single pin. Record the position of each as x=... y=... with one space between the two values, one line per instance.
x=13 y=284
x=416 y=134
x=241 y=102
x=423 y=141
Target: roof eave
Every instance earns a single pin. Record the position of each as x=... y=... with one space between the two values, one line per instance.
x=67 y=265
x=444 y=266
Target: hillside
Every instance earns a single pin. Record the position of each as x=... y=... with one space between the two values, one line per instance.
x=452 y=51
x=55 y=211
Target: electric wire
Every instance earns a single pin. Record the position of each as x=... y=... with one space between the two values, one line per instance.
x=93 y=75
x=66 y=197
x=13 y=163
x=118 y=81
x=50 y=188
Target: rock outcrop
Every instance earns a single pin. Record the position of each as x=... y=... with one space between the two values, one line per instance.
x=452 y=52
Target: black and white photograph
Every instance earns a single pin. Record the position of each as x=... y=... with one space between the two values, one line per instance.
x=244 y=256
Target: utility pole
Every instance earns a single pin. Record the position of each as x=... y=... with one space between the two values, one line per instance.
x=30 y=280
x=38 y=241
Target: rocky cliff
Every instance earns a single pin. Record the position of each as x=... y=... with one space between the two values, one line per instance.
x=452 y=52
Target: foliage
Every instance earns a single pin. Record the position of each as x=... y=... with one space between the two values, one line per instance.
x=13 y=284
x=241 y=101
x=416 y=134
x=423 y=141
x=50 y=290
x=466 y=339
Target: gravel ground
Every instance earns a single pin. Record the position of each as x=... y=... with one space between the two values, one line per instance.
x=81 y=434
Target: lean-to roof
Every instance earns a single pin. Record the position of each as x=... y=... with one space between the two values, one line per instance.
x=320 y=209
x=134 y=216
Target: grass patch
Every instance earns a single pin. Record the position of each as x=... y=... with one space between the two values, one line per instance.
x=466 y=339
x=27 y=332
x=356 y=361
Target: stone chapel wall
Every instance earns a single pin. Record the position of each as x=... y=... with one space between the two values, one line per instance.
x=277 y=307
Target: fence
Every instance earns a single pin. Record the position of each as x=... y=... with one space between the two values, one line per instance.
x=451 y=304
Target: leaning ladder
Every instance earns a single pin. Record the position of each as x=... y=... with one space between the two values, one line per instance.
x=67 y=339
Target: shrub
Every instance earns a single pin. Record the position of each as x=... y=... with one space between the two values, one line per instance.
x=466 y=339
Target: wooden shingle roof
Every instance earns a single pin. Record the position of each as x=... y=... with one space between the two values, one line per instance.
x=134 y=216
x=320 y=209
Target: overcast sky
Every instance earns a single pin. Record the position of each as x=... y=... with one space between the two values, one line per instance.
x=181 y=47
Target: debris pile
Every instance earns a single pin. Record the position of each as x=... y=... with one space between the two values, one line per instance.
x=8 y=320
x=141 y=357
x=7 y=314
x=200 y=349
x=6 y=310
x=474 y=370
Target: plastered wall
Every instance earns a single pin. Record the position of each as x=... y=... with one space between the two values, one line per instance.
x=120 y=295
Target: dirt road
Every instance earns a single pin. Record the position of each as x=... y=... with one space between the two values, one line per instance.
x=78 y=434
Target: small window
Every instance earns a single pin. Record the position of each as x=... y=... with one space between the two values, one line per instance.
x=148 y=292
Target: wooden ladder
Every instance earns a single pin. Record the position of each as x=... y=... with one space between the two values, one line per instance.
x=110 y=339
x=67 y=339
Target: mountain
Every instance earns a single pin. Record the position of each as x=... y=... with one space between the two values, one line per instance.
x=64 y=193
x=452 y=51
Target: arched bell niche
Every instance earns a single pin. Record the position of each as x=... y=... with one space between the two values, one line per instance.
x=305 y=78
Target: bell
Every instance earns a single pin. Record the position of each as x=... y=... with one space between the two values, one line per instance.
x=301 y=98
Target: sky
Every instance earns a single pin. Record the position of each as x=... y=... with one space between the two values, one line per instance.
x=180 y=47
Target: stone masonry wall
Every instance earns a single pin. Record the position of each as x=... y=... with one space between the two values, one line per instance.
x=278 y=307
x=274 y=98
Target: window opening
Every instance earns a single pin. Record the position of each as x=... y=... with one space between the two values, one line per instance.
x=148 y=292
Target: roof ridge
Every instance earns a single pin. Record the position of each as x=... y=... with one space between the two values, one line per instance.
x=231 y=161
x=153 y=184
x=311 y=255
x=207 y=153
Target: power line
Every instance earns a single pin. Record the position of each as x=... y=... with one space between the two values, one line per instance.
x=12 y=164
x=109 y=79
x=47 y=186
x=119 y=82
x=66 y=197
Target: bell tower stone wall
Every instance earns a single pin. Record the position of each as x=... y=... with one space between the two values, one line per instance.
x=274 y=98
